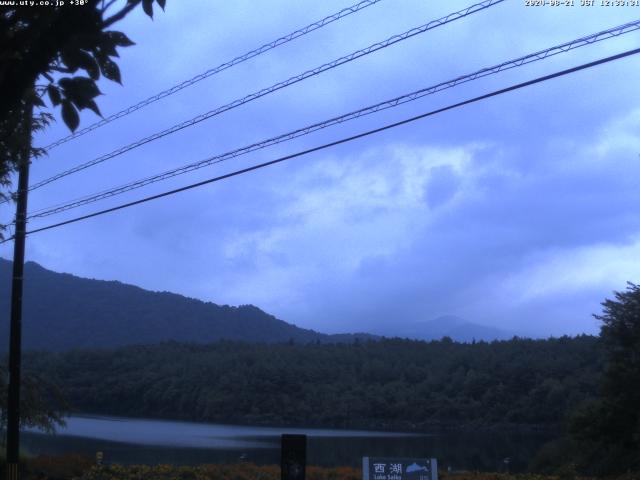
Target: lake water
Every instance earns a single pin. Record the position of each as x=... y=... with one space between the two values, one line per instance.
x=126 y=440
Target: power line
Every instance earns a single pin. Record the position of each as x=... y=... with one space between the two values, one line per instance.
x=540 y=55
x=278 y=86
x=343 y=140
x=213 y=71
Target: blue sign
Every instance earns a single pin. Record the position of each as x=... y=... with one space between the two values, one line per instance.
x=387 y=468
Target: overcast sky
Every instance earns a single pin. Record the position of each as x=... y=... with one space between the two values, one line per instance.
x=520 y=212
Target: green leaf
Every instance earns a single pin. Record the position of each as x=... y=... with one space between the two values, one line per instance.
x=37 y=101
x=119 y=39
x=162 y=3
x=81 y=91
x=87 y=40
x=108 y=46
x=147 y=6
x=37 y=152
x=70 y=115
x=81 y=88
x=92 y=105
x=65 y=82
x=88 y=63
x=69 y=59
x=54 y=95
x=110 y=70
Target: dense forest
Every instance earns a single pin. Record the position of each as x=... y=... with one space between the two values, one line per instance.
x=62 y=312
x=387 y=384
x=583 y=390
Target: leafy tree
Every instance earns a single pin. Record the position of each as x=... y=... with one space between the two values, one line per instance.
x=59 y=52
x=608 y=429
x=391 y=383
x=42 y=406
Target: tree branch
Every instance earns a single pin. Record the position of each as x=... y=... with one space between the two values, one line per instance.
x=60 y=69
x=120 y=15
x=107 y=6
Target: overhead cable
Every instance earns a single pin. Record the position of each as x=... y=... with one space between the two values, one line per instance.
x=224 y=66
x=540 y=55
x=341 y=141
x=278 y=86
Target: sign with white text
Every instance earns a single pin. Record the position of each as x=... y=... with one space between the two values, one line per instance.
x=387 y=468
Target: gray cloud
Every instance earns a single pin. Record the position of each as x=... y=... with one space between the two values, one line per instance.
x=517 y=212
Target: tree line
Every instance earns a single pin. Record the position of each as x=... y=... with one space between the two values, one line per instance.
x=585 y=388
x=387 y=384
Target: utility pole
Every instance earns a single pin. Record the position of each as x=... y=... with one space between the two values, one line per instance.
x=15 y=336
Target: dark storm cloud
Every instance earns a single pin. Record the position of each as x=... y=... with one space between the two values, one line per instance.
x=517 y=212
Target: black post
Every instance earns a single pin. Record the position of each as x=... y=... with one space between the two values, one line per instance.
x=293 y=452
x=15 y=336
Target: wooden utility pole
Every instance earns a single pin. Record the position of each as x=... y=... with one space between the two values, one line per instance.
x=15 y=335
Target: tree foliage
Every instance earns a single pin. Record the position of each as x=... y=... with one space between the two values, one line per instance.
x=42 y=404
x=608 y=429
x=64 y=312
x=55 y=53
x=392 y=384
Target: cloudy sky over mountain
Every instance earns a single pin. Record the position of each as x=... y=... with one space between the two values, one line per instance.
x=520 y=211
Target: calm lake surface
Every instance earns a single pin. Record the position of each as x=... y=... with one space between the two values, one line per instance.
x=125 y=440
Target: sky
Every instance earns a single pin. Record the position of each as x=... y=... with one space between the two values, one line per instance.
x=518 y=212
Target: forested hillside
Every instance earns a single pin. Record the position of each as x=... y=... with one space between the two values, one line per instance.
x=62 y=311
x=393 y=384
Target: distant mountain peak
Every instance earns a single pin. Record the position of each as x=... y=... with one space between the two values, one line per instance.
x=454 y=327
x=450 y=320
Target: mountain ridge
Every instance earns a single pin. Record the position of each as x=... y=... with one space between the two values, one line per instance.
x=62 y=311
x=454 y=327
